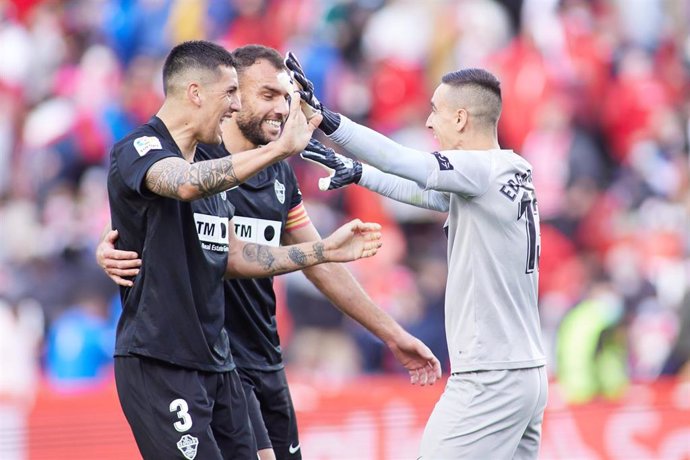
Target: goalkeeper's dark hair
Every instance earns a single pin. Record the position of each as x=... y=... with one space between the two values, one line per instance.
x=247 y=56
x=195 y=54
x=485 y=89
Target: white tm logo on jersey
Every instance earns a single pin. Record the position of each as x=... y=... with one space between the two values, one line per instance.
x=212 y=231
x=145 y=144
x=261 y=231
x=188 y=445
x=280 y=191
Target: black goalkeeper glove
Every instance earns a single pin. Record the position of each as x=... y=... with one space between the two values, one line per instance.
x=331 y=120
x=344 y=170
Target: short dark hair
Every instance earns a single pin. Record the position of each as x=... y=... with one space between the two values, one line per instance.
x=473 y=77
x=247 y=56
x=482 y=90
x=198 y=54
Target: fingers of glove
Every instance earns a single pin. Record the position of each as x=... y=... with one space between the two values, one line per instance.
x=317 y=157
x=306 y=96
x=324 y=163
x=293 y=63
x=316 y=146
x=304 y=82
x=312 y=155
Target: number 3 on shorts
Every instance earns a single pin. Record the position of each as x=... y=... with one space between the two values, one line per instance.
x=180 y=406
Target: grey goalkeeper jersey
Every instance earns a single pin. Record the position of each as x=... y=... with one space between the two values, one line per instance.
x=491 y=314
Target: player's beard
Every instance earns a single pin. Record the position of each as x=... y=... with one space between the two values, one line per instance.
x=252 y=129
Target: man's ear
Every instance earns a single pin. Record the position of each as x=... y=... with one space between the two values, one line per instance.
x=194 y=93
x=461 y=118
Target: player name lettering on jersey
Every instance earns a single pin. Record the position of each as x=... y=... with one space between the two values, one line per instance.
x=261 y=231
x=212 y=231
x=512 y=188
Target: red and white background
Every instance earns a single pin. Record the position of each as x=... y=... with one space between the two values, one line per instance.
x=364 y=418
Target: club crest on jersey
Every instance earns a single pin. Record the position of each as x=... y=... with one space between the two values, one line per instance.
x=145 y=144
x=280 y=191
x=188 y=445
x=224 y=195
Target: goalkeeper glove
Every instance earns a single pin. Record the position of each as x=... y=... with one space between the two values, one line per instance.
x=344 y=170
x=331 y=120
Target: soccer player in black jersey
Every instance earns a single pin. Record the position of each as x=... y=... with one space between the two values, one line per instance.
x=174 y=371
x=268 y=209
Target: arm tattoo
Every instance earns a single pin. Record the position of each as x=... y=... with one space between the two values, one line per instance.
x=297 y=256
x=318 y=252
x=165 y=178
x=212 y=177
x=209 y=177
x=265 y=257
x=253 y=252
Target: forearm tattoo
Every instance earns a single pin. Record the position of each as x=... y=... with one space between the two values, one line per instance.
x=260 y=254
x=272 y=261
x=297 y=256
x=318 y=252
x=209 y=177
x=265 y=257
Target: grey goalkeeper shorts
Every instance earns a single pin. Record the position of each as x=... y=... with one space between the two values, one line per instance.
x=488 y=415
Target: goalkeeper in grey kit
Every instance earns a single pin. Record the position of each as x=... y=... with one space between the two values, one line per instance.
x=494 y=401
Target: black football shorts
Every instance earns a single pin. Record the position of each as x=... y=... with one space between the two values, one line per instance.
x=271 y=412
x=176 y=412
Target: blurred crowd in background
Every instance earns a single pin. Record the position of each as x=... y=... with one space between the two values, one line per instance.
x=596 y=97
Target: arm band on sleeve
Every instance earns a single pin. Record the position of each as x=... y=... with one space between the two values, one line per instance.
x=383 y=153
x=297 y=218
x=403 y=190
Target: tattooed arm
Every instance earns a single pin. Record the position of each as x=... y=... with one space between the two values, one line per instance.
x=173 y=177
x=352 y=241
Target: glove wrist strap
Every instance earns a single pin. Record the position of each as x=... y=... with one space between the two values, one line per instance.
x=330 y=122
x=357 y=176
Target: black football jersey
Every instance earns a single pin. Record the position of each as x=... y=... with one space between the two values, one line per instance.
x=175 y=312
x=265 y=206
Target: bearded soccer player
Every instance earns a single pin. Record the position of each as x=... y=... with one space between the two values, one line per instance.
x=174 y=372
x=268 y=209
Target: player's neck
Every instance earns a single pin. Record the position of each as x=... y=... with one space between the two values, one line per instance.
x=181 y=128
x=477 y=142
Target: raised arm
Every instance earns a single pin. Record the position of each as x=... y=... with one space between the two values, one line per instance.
x=173 y=177
x=345 y=171
x=354 y=240
x=461 y=172
x=464 y=172
x=340 y=287
x=403 y=190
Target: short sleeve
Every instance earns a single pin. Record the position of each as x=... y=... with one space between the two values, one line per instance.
x=296 y=198
x=466 y=172
x=136 y=157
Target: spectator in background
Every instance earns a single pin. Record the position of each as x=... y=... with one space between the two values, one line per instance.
x=678 y=360
x=21 y=333
x=591 y=358
x=80 y=342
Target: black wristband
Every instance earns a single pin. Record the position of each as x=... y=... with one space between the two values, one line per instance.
x=330 y=122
